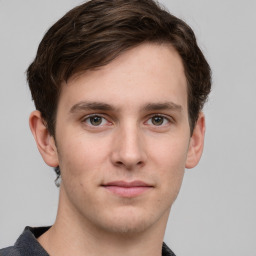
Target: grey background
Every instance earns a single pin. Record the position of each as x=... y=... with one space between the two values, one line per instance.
x=216 y=209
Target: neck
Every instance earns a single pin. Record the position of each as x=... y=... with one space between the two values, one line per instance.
x=72 y=234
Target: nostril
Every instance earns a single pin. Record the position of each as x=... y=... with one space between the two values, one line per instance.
x=141 y=164
x=120 y=163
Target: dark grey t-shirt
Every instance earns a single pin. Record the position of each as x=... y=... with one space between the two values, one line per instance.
x=27 y=245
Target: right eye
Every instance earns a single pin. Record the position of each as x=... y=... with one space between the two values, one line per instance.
x=95 y=120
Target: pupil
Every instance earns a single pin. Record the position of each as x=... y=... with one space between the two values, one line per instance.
x=95 y=120
x=157 y=120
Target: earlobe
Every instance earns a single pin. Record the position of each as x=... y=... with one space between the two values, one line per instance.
x=196 y=143
x=45 y=142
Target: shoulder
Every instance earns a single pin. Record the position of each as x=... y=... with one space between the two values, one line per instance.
x=166 y=251
x=9 y=251
x=27 y=244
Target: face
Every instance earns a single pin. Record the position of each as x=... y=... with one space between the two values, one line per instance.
x=123 y=138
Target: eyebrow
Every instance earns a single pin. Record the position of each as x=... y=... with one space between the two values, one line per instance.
x=162 y=106
x=85 y=106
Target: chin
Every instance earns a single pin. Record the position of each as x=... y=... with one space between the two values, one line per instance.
x=129 y=222
x=126 y=227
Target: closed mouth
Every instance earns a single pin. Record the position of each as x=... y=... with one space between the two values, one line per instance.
x=127 y=189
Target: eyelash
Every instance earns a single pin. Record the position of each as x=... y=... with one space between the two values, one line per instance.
x=164 y=117
x=88 y=118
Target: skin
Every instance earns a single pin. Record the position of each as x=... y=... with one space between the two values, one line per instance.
x=126 y=121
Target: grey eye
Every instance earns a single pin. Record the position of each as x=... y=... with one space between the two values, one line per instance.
x=157 y=120
x=95 y=120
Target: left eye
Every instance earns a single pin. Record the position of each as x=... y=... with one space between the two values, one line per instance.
x=158 y=120
x=95 y=120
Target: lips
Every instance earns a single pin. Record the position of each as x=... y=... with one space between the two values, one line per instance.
x=127 y=189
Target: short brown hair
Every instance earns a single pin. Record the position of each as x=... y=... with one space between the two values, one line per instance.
x=93 y=34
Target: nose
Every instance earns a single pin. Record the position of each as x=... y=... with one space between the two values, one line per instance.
x=128 y=148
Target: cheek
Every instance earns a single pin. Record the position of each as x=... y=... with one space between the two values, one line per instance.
x=82 y=155
x=169 y=151
x=169 y=158
x=80 y=160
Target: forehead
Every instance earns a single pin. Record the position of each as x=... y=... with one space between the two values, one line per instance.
x=142 y=75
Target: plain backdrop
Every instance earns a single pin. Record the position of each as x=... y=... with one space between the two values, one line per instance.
x=215 y=213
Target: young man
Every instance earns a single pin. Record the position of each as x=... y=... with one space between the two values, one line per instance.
x=119 y=86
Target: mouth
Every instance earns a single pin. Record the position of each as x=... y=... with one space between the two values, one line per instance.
x=127 y=189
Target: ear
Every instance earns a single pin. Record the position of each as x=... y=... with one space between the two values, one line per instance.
x=45 y=142
x=196 y=144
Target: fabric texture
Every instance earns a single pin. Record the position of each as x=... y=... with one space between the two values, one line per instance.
x=27 y=244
